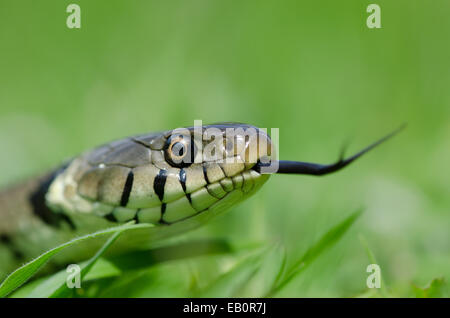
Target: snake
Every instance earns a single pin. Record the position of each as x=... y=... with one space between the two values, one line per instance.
x=172 y=179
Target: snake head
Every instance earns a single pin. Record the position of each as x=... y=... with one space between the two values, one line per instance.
x=165 y=177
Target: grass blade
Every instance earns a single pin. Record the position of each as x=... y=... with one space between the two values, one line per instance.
x=63 y=290
x=437 y=288
x=46 y=286
x=25 y=272
x=326 y=241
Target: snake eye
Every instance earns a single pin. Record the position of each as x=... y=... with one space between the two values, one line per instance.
x=179 y=151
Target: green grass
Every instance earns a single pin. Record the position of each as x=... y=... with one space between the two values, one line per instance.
x=311 y=69
x=25 y=272
x=262 y=272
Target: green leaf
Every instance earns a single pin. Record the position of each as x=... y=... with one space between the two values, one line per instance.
x=326 y=241
x=25 y=290
x=436 y=289
x=63 y=290
x=25 y=272
x=103 y=268
x=45 y=286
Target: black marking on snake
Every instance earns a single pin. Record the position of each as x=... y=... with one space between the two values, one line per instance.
x=111 y=217
x=6 y=239
x=163 y=210
x=159 y=183
x=205 y=174
x=188 y=196
x=182 y=178
x=127 y=189
x=38 y=202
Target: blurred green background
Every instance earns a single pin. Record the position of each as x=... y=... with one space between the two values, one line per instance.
x=312 y=69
